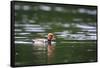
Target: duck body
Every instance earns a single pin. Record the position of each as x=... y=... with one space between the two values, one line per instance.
x=43 y=41
x=39 y=41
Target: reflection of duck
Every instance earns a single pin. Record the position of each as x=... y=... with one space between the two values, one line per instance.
x=51 y=53
x=44 y=41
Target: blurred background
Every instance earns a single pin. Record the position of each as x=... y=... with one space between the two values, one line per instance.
x=73 y=26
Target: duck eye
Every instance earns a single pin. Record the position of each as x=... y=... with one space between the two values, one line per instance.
x=51 y=35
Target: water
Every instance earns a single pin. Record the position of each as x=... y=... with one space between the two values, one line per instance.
x=74 y=28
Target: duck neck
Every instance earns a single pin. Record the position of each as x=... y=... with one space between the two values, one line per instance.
x=49 y=42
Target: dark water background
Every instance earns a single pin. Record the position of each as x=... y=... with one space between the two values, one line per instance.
x=73 y=26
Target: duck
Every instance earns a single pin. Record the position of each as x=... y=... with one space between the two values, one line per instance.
x=42 y=41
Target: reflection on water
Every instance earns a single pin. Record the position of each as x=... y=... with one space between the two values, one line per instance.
x=39 y=54
x=43 y=53
x=73 y=26
x=51 y=53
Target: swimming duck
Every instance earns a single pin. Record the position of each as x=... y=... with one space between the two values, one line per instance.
x=43 y=41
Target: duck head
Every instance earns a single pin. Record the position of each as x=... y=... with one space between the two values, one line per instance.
x=50 y=36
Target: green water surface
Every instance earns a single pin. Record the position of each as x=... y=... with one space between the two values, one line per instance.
x=74 y=28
